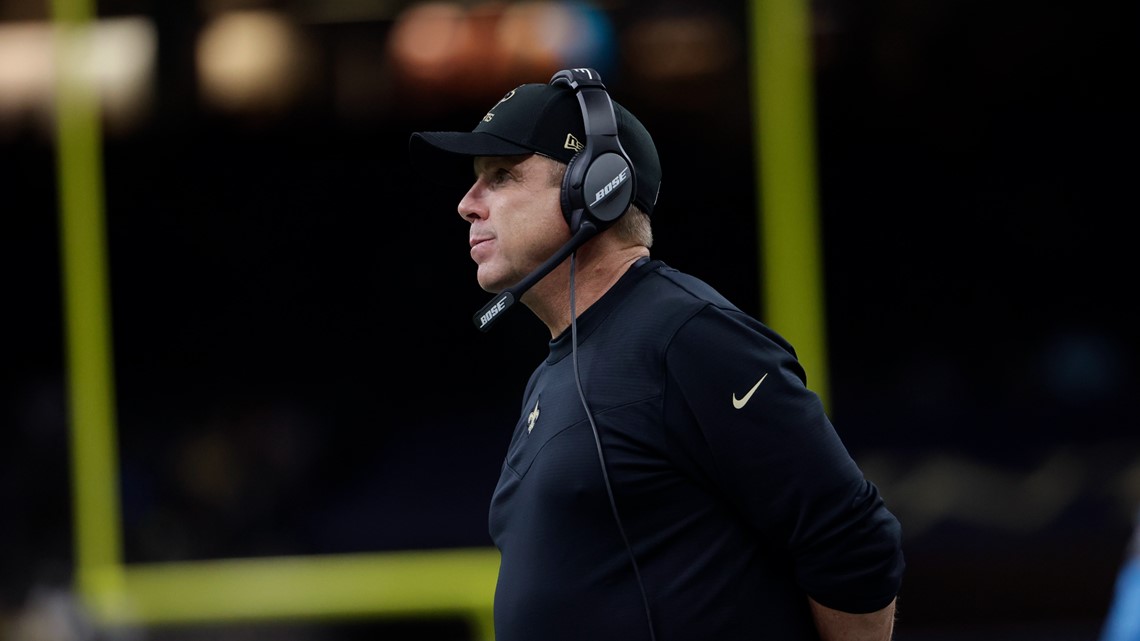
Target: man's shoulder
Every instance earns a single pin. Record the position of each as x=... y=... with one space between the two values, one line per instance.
x=663 y=300
x=678 y=298
x=679 y=288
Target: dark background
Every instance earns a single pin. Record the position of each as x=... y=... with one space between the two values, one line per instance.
x=289 y=301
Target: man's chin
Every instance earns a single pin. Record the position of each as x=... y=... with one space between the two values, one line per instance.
x=493 y=283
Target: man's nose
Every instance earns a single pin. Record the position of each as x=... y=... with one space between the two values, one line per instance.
x=471 y=206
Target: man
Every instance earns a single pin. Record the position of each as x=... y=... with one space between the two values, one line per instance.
x=670 y=476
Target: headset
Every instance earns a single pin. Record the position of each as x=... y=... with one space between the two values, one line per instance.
x=597 y=189
x=600 y=182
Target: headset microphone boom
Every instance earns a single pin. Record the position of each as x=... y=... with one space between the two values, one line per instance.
x=494 y=310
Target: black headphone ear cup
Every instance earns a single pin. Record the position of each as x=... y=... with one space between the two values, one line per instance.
x=609 y=183
x=568 y=194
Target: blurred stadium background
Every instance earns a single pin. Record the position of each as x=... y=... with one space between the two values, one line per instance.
x=287 y=302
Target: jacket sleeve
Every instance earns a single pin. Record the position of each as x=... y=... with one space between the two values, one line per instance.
x=773 y=452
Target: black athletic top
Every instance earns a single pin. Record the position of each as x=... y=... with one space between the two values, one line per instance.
x=735 y=492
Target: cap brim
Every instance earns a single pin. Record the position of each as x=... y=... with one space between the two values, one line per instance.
x=466 y=143
x=446 y=155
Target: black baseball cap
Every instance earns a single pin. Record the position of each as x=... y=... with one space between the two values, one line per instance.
x=544 y=119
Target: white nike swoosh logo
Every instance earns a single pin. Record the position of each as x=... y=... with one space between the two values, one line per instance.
x=740 y=403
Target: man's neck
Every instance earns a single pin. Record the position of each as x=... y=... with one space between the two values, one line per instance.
x=595 y=273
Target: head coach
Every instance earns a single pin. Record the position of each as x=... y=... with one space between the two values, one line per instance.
x=670 y=476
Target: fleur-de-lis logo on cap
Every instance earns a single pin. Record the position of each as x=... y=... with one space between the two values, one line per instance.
x=491 y=113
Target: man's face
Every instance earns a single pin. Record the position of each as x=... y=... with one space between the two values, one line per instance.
x=516 y=217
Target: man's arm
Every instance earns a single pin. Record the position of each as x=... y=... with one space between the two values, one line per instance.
x=835 y=625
